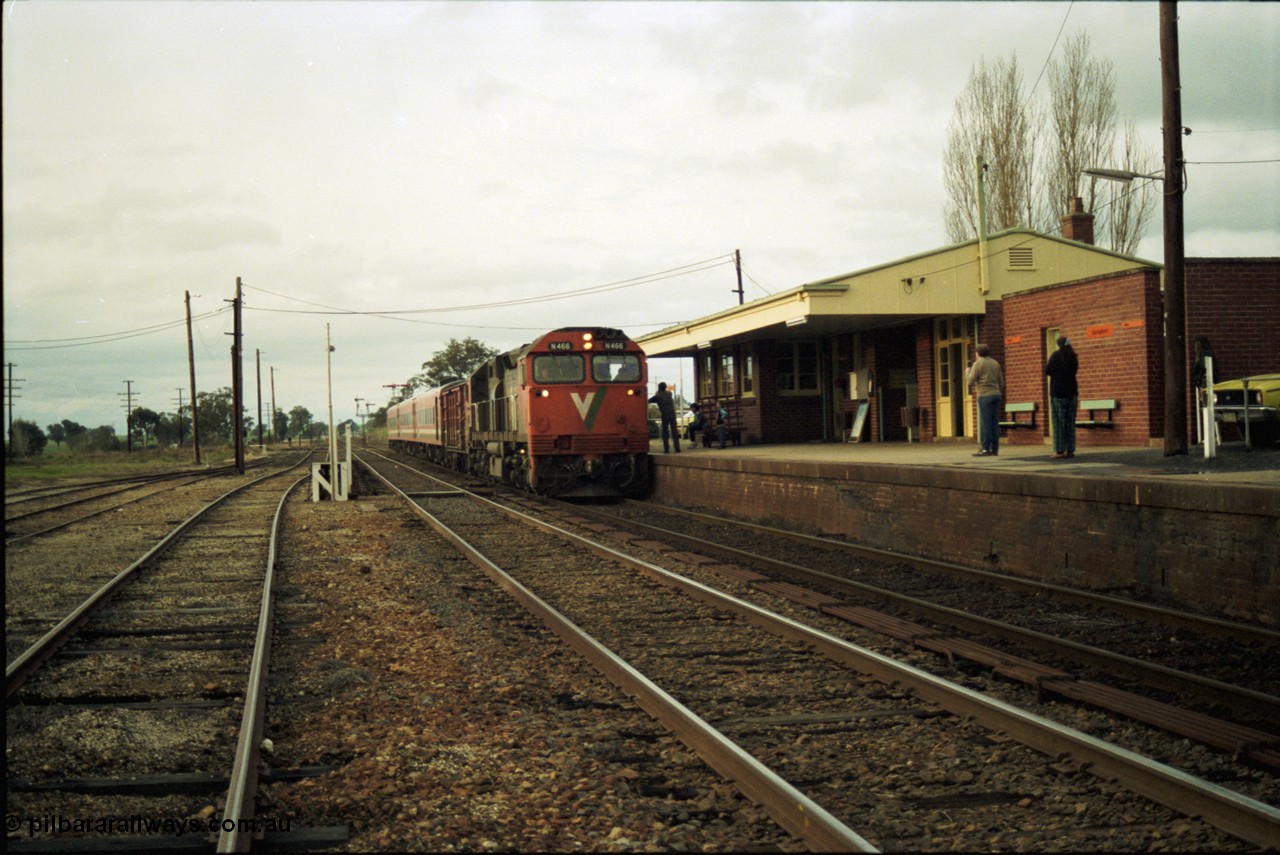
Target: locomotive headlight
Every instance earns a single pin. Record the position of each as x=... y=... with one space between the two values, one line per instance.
x=543 y=393
x=586 y=336
x=631 y=392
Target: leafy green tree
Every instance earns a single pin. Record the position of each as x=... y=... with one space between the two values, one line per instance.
x=216 y=410
x=279 y=426
x=57 y=432
x=77 y=435
x=102 y=438
x=146 y=423
x=173 y=428
x=455 y=361
x=300 y=422
x=26 y=439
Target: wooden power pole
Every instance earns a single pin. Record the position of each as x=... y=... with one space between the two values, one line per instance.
x=1175 y=332
x=191 y=367
x=237 y=383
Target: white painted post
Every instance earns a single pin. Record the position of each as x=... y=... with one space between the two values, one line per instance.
x=1210 y=424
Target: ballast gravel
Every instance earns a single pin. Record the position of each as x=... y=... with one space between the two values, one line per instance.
x=448 y=720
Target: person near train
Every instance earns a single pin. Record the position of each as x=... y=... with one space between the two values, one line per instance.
x=667 y=409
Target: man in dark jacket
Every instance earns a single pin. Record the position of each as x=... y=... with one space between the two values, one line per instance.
x=667 y=408
x=1063 y=397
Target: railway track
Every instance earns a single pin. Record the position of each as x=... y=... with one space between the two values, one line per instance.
x=54 y=570
x=51 y=517
x=879 y=752
x=137 y=721
x=1235 y=710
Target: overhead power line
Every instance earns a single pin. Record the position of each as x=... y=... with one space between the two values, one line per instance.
x=102 y=338
x=647 y=279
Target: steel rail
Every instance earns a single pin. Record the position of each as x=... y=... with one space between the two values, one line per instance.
x=48 y=492
x=1249 y=819
x=237 y=832
x=1237 y=698
x=10 y=541
x=106 y=494
x=1146 y=611
x=789 y=807
x=26 y=664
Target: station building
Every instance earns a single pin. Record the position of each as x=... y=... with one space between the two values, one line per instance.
x=880 y=354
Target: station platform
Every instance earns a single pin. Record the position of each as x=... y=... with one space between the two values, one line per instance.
x=1185 y=530
x=1234 y=463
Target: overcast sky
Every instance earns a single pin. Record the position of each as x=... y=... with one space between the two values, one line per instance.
x=442 y=159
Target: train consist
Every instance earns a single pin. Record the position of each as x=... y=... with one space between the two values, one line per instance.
x=565 y=416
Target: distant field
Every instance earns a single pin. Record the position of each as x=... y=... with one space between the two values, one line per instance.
x=58 y=462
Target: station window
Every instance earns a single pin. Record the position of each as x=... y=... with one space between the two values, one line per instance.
x=726 y=375
x=797 y=367
x=706 y=376
x=558 y=368
x=747 y=380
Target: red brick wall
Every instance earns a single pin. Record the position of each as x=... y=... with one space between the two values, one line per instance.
x=1207 y=545
x=1114 y=325
x=1235 y=302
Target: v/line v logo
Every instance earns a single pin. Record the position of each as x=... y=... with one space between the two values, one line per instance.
x=588 y=405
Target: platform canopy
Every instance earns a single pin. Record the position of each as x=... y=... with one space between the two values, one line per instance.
x=954 y=280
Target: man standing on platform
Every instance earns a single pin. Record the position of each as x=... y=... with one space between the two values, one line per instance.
x=667 y=408
x=988 y=382
x=1063 y=394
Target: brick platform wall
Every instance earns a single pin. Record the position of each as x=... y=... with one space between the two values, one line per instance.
x=1208 y=546
x=1114 y=324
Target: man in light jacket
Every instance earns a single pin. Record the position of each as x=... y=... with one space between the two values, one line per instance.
x=988 y=383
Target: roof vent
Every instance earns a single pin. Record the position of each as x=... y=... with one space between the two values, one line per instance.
x=1021 y=258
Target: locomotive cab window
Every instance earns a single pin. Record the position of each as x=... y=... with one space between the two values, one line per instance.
x=615 y=368
x=558 y=368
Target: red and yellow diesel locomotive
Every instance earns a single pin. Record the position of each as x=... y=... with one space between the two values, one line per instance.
x=564 y=416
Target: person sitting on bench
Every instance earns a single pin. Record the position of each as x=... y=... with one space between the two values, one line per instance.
x=699 y=423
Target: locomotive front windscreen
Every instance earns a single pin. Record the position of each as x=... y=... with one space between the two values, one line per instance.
x=615 y=368
x=558 y=368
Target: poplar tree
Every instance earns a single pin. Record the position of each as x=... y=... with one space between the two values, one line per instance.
x=1032 y=175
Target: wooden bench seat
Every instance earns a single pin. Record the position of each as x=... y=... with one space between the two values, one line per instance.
x=732 y=424
x=1096 y=407
x=1012 y=411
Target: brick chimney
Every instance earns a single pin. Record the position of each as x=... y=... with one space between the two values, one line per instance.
x=1078 y=225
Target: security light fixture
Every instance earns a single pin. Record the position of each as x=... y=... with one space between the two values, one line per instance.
x=1121 y=174
x=795 y=322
